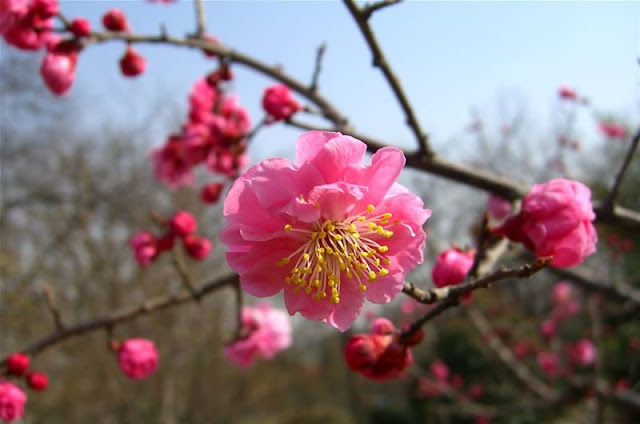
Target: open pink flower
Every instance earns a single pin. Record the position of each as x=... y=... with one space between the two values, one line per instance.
x=12 y=400
x=328 y=229
x=138 y=358
x=555 y=220
x=278 y=102
x=267 y=332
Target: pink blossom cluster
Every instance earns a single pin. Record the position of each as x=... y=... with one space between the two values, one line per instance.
x=265 y=331
x=452 y=267
x=18 y=365
x=279 y=104
x=182 y=225
x=214 y=135
x=442 y=381
x=380 y=355
x=12 y=398
x=138 y=358
x=27 y=24
x=555 y=220
x=12 y=401
x=328 y=230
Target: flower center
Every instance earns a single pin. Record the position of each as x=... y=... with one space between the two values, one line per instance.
x=337 y=249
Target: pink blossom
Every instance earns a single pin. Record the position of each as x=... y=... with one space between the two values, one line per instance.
x=132 y=63
x=17 y=364
x=328 y=230
x=548 y=328
x=583 y=352
x=27 y=24
x=115 y=20
x=278 y=102
x=561 y=293
x=202 y=100
x=456 y=381
x=549 y=363
x=451 y=267
x=145 y=249
x=171 y=164
x=12 y=400
x=267 y=331
x=555 y=220
x=409 y=306
x=475 y=391
x=439 y=370
x=37 y=381
x=197 y=247
x=498 y=208
x=58 y=71
x=521 y=349
x=182 y=224
x=210 y=193
x=378 y=356
x=567 y=93
x=613 y=130
x=80 y=27
x=138 y=358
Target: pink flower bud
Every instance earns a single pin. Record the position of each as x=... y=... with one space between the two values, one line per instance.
x=521 y=349
x=555 y=220
x=583 y=353
x=145 y=248
x=278 y=102
x=451 y=268
x=183 y=224
x=439 y=370
x=12 y=400
x=132 y=63
x=548 y=328
x=59 y=71
x=561 y=293
x=37 y=380
x=165 y=243
x=210 y=193
x=415 y=338
x=80 y=27
x=567 y=93
x=138 y=358
x=382 y=326
x=115 y=20
x=17 y=363
x=45 y=9
x=549 y=363
x=498 y=208
x=197 y=247
x=613 y=130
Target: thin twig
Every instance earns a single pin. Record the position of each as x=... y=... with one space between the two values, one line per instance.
x=238 y=297
x=126 y=314
x=316 y=70
x=380 y=61
x=583 y=277
x=53 y=307
x=369 y=8
x=481 y=246
x=185 y=279
x=595 y=314
x=613 y=193
x=200 y=18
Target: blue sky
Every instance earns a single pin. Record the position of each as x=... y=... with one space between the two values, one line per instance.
x=450 y=56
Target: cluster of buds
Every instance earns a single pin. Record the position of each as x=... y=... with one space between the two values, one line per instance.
x=382 y=354
x=279 y=104
x=452 y=267
x=442 y=381
x=12 y=398
x=147 y=247
x=137 y=358
x=214 y=135
x=132 y=63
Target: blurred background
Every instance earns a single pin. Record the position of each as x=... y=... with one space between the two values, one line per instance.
x=77 y=183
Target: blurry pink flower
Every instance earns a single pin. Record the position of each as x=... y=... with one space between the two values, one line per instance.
x=613 y=130
x=12 y=400
x=498 y=208
x=567 y=93
x=378 y=356
x=138 y=358
x=27 y=24
x=182 y=224
x=80 y=27
x=439 y=370
x=328 y=229
x=170 y=164
x=549 y=363
x=456 y=381
x=451 y=267
x=210 y=193
x=17 y=364
x=202 y=100
x=278 y=103
x=567 y=310
x=561 y=293
x=382 y=326
x=115 y=20
x=548 y=328
x=409 y=306
x=475 y=391
x=267 y=331
x=583 y=352
x=197 y=247
x=555 y=220
x=132 y=63
x=37 y=380
x=58 y=71
x=521 y=349
x=145 y=249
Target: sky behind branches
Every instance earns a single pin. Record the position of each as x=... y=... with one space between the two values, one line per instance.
x=450 y=56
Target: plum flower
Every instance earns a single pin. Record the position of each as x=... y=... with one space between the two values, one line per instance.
x=12 y=400
x=327 y=229
x=267 y=332
x=138 y=358
x=278 y=103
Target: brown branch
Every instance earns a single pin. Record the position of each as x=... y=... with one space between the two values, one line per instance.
x=380 y=61
x=316 y=70
x=238 y=297
x=200 y=18
x=613 y=193
x=126 y=314
x=369 y=8
x=595 y=315
x=53 y=307
x=185 y=279
x=519 y=370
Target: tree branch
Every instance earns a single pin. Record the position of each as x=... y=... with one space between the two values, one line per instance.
x=613 y=193
x=369 y=8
